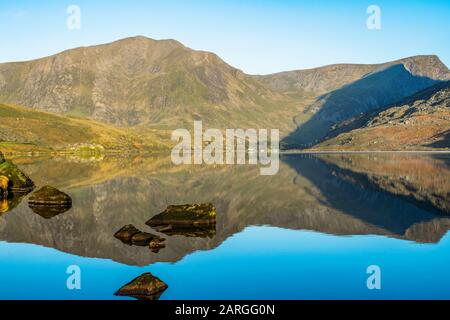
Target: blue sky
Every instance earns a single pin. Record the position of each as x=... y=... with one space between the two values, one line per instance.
x=256 y=36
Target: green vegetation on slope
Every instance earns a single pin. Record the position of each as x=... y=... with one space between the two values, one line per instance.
x=25 y=130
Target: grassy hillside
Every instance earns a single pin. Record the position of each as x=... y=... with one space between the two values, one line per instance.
x=25 y=130
x=141 y=81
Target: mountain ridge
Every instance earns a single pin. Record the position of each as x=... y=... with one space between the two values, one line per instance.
x=162 y=84
x=286 y=80
x=134 y=81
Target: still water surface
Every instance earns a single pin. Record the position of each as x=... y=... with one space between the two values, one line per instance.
x=308 y=232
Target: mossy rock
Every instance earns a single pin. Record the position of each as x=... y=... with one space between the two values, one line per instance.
x=19 y=181
x=49 y=196
x=156 y=244
x=143 y=239
x=131 y=235
x=185 y=215
x=144 y=287
x=126 y=233
x=7 y=205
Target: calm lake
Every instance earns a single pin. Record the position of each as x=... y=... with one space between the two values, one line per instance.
x=308 y=232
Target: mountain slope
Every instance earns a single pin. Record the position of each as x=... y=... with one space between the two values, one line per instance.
x=140 y=81
x=22 y=129
x=161 y=84
x=419 y=122
x=371 y=92
x=332 y=77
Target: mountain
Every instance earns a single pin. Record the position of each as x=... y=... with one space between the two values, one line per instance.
x=381 y=88
x=332 y=77
x=140 y=81
x=25 y=130
x=421 y=121
x=140 y=84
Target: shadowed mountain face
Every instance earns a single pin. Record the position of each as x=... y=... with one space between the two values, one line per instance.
x=419 y=179
x=372 y=92
x=422 y=120
x=331 y=195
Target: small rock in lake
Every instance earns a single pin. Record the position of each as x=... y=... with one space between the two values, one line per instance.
x=4 y=206
x=7 y=205
x=188 y=215
x=191 y=220
x=126 y=233
x=50 y=196
x=130 y=235
x=49 y=202
x=144 y=287
x=143 y=239
x=4 y=187
x=156 y=245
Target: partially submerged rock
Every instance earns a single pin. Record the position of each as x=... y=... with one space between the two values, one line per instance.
x=7 y=205
x=50 y=196
x=126 y=233
x=130 y=235
x=188 y=215
x=14 y=185
x=4 y=206
x=190 y=220
x=4 y=187
x=144 y=287
x=143 y=239
x=19 y=182
x=156 y=245
x=49 y=202
x=204 y=231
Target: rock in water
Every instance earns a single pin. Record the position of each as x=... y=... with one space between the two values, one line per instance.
x=188 y=215
x=4 y=206
x=50 y=196
x=19 y=181
x=130 y=235
x=49 y=202
x=142 y=239
x=4 y=187
x=144 y=287
x=155 y=245
x=7 y=205
x=126 y=233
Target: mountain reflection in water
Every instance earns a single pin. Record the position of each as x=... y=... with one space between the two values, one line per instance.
x=404 y=196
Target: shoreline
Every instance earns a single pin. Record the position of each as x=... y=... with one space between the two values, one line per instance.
x=32 y=154
x=364 y=151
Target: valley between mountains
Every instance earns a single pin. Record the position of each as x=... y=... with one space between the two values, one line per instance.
x=127 y=96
